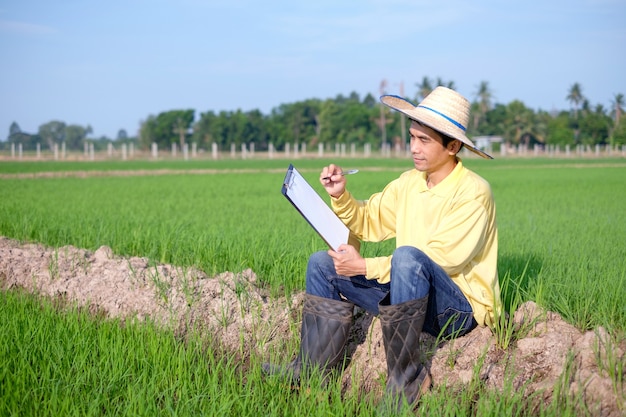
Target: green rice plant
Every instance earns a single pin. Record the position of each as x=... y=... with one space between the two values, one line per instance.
x=66 y=362
x=53 y=265
x=563 y=400
x=78 y=263
x=161 y=285
x=134 y=278
x=187 y=285
x=560 y=221
x=561 y=226
x=223 y=316
x=609 y=360
x=504 y=329
x=69 y=363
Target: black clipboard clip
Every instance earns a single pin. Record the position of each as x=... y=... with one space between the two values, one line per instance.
x=288 y=181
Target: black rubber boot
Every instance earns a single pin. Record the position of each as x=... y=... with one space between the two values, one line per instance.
x=407 y=378
x=326 y=326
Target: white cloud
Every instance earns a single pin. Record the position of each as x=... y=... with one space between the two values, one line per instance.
x=365 y=25
x=24 y=28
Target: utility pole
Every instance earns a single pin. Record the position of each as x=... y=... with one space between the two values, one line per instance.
x=180 y=130
x=402 y=117
x=382 y=122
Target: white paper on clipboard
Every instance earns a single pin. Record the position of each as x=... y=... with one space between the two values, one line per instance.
x=313 y=208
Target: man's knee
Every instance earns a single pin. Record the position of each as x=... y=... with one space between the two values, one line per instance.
x=319 y=268
x=409 y=280
x=407 y=255
x=320 y=259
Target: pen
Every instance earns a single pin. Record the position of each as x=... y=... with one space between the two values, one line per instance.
x=344 y=173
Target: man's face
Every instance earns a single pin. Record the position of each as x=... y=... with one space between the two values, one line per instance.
x=429 y=154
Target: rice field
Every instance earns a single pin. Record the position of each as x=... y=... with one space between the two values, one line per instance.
x=561 y=224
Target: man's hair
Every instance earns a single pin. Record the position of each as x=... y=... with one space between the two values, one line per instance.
x=445 y=139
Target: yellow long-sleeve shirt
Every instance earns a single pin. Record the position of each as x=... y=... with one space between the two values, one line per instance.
x=454 y=223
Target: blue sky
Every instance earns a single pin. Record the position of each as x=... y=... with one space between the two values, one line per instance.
x=111 y=64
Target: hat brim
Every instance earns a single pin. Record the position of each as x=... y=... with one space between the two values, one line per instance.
x=429 y=119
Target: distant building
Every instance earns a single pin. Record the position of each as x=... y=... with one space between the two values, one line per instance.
x=486 y=142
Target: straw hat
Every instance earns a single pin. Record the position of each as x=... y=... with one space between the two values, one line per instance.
x=443 y=109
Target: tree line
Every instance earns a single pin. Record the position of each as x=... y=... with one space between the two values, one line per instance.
x=349 y=119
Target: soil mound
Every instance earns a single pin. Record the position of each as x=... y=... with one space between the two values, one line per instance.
x=546 y=358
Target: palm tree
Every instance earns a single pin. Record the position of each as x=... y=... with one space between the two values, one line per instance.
x=449 y=84
x=424 y=89
x=575 y=96
x=521 y=125
x=484 y=96
x=618 y=107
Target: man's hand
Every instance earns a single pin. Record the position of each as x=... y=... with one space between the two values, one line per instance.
x=334 y=183
x=348 y=261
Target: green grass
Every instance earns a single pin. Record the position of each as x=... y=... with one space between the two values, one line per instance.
x=565 y=228
x=561 y=232
x=561 y=222
x=216 y=222
x=14 y=167
x=64 y=361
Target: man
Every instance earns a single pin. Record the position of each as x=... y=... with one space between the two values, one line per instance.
x=441 y=278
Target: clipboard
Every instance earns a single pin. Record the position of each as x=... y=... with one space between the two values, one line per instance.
x=314 y=209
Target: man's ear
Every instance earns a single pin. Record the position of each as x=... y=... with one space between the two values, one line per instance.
x=454 y=146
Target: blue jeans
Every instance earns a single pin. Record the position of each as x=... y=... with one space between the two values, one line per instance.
x=413 y=276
